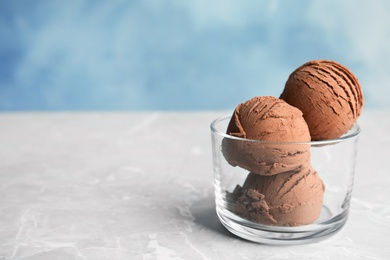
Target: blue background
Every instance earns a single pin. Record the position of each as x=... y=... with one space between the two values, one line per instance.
x=181 y=55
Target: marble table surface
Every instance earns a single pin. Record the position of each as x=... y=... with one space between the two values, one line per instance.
x=139 y=185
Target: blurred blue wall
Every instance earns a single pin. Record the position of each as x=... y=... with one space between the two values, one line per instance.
x=187 y=55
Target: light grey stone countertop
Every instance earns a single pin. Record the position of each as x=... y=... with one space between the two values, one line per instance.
x=139 y=185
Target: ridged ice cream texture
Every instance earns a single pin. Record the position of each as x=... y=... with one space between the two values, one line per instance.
x=285 y=199
x=276 y=125
x=329 y=95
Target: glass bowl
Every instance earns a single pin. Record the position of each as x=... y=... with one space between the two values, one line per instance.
x=333 y=160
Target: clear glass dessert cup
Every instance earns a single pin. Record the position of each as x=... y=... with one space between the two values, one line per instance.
x=333 y=160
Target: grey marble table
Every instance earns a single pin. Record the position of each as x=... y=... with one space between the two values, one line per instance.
x=139 y=185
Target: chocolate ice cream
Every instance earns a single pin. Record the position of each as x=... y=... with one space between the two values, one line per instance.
x=328 y=94
x=285 y=199
x=267 y=123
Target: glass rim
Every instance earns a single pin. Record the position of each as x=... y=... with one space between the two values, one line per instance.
x=353 y=132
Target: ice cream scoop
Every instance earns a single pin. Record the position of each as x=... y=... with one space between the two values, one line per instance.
x=263 y=130
x=329 y=96
x=285 y=199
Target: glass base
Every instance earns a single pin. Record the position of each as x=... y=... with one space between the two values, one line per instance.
x=276 y=235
